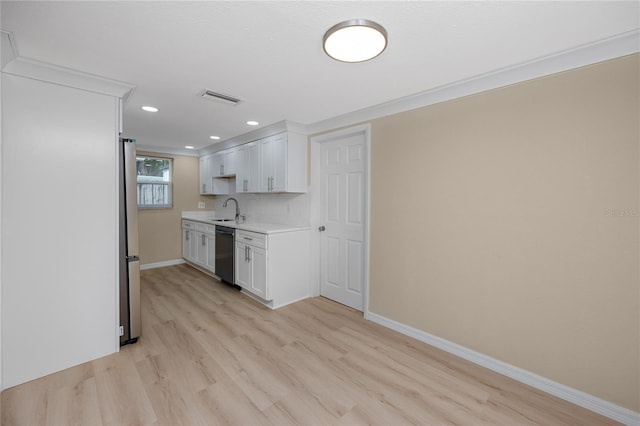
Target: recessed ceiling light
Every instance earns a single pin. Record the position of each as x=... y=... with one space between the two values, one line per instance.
x=150 y=108
x=189 y=147
x=214 y=137
x=252 y=123
x=355 y=40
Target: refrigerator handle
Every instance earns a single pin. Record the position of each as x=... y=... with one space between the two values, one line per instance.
x=131 y=193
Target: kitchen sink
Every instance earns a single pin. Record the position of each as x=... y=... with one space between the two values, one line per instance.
x=222 y=220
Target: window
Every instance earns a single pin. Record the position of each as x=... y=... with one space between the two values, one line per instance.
x=154 y=182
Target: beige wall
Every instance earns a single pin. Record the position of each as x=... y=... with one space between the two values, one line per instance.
x=160 y=230
x=492 y=226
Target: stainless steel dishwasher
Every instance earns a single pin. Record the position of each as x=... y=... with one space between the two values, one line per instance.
x=224 y=254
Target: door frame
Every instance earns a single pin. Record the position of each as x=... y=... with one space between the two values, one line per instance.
x=316 y=204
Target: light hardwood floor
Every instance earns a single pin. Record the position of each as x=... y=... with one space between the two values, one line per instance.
x=210 y=355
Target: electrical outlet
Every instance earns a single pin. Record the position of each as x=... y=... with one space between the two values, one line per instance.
x=201 y=204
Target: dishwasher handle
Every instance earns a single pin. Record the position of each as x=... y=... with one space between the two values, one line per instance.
x=224 y=230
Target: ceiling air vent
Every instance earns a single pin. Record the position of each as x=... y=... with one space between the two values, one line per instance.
x=219 y=97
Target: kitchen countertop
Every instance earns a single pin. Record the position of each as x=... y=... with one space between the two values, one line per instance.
x=263 y=228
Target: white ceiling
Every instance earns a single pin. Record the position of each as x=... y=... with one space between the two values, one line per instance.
x=269 y=54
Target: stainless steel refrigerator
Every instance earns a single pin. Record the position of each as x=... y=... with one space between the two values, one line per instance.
x=130 y=322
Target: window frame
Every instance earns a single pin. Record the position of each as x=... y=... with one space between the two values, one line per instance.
x=168 y=184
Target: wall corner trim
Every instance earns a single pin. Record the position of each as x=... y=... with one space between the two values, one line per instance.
x=582 y=399
x=162 y=264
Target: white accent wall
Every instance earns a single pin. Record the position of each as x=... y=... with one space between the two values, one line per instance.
x=58 y=266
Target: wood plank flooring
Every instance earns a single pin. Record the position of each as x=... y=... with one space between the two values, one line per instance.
x=209 y=355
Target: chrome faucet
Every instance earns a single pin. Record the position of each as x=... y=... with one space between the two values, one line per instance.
x=237 y=207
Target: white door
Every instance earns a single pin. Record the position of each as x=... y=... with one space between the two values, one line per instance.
x=343 y=187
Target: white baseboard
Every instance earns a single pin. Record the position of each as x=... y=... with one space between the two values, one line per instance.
x=161 y=264
x=590 y=402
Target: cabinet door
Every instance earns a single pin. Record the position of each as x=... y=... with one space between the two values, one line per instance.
x=258 y=261
x=206 y=181
x=201 y=248
x=243 y=168
x=279 y=159
x=255 y=165
x=230 y=162
x=210 y=262
x=224 y=163
x=190 y=245
x=186 y=235
x=248 y=168
x=274 y=155
x=217 y=164
x=242 y=266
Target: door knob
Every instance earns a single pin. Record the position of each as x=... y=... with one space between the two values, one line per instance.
x=322 y=228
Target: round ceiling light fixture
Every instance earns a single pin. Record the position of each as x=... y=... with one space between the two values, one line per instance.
x=150 y=108
x=355 y=40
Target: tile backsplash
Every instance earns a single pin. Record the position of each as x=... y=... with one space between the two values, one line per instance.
x=283 y=209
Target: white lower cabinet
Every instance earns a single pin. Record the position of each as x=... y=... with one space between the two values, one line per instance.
x=199 y=244
x=274 y=268
x=210 y=260
x=189 y=244
x=251 y=269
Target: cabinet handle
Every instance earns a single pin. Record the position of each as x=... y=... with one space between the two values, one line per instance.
x=248 y=254
x=221 y=169
x=203 y=242
x=248 y=238
x=204 y=187
x=187 y=233
x=245 y=185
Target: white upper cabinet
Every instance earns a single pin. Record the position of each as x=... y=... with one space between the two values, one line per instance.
x=277 y=163
x=284 y=163
x=206 y=176
x=248 y=167
x=224 y=163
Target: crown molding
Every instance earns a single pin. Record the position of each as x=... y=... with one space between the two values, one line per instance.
x=8 y=49
x=610 y=48
x=263 y=132
x=166 y=150
x=37 y=70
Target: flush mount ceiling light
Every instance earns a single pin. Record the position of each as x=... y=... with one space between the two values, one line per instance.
x=150 y=108
x=215 y=138
x=355 y=40
x=252 y=123
x=189 y=147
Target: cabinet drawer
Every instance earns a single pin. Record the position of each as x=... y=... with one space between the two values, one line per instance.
x=252 y=238
x=210 y=229
x=188 y=225
x=200 y=226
